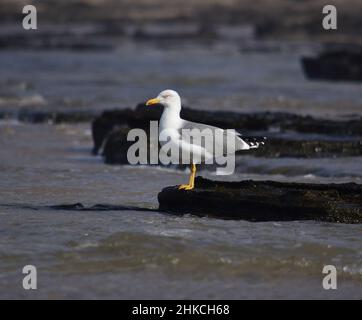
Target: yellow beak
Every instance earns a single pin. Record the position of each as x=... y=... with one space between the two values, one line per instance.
x=152 y=101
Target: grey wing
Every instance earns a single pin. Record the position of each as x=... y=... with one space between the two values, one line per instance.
x=224 y=141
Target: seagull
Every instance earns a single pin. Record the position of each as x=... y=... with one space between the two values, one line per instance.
x=172 y=124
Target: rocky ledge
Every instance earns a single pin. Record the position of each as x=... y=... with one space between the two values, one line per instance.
x=266 y=201
x=105 y=130
x=116 y=147
x=339 y=65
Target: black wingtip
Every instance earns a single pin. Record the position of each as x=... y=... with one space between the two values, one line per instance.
x=254 y=141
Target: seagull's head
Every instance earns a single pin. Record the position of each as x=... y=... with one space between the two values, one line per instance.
x=168 y=98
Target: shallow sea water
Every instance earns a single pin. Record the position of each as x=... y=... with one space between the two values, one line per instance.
x=142 y=254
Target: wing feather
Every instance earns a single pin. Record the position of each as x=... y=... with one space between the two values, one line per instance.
x=229 y=141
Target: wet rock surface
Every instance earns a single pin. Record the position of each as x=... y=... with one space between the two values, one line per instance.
x=116 y=146
x=266 y=201
x=278 y=148
x=250 y=200
x=110 y=131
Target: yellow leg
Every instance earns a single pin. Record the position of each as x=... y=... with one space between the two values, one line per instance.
x=191 y=183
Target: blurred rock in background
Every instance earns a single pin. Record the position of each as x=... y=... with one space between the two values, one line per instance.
x=279 y=19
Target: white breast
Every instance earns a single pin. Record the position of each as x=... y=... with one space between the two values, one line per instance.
x=170 y=122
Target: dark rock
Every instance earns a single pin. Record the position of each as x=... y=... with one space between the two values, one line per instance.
x=279 y=147
x=74 y=206
x=342 y=65
x=104 y=125
x=96 y=207
x=116 y=146
x=266 y=201
x=258 y=121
